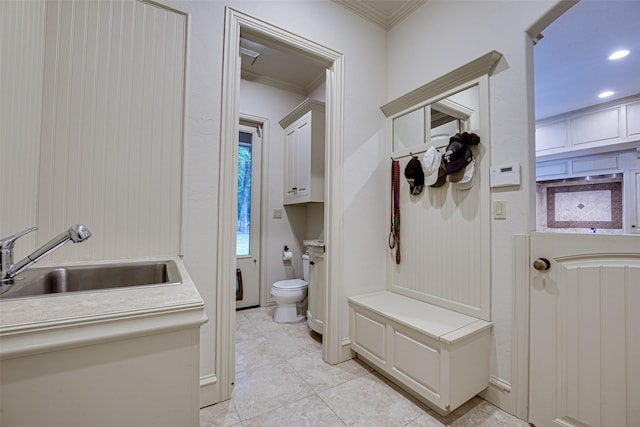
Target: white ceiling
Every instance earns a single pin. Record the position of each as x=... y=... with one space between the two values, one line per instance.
x=571 y=65
x=280 y=67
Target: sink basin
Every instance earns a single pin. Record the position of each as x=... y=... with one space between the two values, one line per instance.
x=60 y=280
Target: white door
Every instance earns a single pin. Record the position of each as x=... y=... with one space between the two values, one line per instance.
x=585 y=330
x=248 y=219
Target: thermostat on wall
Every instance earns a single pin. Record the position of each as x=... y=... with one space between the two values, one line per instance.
x=505 y=176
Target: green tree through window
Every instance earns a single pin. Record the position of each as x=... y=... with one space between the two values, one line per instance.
x=243 y=227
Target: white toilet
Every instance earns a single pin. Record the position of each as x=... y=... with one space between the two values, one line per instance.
x=288 y=294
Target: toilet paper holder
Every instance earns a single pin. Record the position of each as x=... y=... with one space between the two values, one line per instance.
x=287 y=255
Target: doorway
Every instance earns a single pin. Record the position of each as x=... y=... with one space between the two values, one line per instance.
x=580 y=290
x=235 y=24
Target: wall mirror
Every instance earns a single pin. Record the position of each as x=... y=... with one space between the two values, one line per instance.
x=436 y=122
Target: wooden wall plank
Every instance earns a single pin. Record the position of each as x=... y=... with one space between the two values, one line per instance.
x=107 y=90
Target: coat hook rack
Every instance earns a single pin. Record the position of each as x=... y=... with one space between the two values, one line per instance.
x=411 y=153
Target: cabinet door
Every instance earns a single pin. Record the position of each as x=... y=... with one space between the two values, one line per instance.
x=317 y=284
x=303 y=158
x=290 y=163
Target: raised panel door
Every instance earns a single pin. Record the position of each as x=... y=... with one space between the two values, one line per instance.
x=585 y=339
x=303 y=158
x=290 y=164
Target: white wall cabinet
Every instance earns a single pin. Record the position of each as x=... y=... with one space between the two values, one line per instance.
x=304 y=153
x=589 y=131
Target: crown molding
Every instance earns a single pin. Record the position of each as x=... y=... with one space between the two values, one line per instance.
x=301 y=109
x=269 y=81
x=384 y=18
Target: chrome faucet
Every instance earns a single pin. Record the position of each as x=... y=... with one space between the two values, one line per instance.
x=8 y=270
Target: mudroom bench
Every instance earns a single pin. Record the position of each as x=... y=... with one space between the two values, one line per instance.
x=438 y=355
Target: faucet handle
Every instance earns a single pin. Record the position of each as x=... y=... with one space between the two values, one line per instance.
x=7 y=242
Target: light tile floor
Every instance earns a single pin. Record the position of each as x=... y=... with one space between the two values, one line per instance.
x=281 y=381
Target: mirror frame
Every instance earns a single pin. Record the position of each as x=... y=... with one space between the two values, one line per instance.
x=439 y=89
x=443 y=105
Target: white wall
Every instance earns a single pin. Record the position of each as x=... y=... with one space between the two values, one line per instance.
x=445 y=35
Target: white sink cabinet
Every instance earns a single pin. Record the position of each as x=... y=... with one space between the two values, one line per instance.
x=317 y=288
x=120 y=357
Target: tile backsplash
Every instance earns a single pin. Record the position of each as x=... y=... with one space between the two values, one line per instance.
x=580 y=206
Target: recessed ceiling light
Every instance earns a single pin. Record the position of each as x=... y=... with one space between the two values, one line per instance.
x=605 y=94
x=618 y=54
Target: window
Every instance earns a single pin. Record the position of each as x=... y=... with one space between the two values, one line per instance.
x=243 y=224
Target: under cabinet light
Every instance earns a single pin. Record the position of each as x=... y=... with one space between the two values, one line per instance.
x=605 y=94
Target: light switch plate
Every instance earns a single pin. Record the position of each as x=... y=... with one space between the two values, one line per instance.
x=499 y=209
x=277 y=213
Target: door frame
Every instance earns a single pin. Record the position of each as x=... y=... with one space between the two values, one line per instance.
x=263 y=125
x=521 y=276
x=235 y=22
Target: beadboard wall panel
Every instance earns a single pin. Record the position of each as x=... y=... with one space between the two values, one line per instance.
x=112 y=127
x=21 y=59
x=445 y=243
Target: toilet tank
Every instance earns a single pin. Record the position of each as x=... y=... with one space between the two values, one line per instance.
x=305 y=267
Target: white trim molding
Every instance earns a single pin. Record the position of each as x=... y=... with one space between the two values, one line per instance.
x=500 y=384
x=235 y=23
x=208 y=392
x=381 y=13
x=520 y=338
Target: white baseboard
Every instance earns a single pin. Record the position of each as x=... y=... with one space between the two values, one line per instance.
x=498 y=394
x=500 y=384
x=345 y=350
x=209 y=393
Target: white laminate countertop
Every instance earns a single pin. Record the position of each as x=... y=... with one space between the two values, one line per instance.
x=33 y=316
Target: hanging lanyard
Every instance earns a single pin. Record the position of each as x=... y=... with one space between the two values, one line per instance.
x=394 y=235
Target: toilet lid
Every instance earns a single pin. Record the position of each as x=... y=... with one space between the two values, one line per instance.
x=290 y=284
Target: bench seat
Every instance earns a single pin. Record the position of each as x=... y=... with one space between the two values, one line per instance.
x=438 y=355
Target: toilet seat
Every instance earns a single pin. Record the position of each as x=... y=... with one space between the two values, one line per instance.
x=290 y=285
